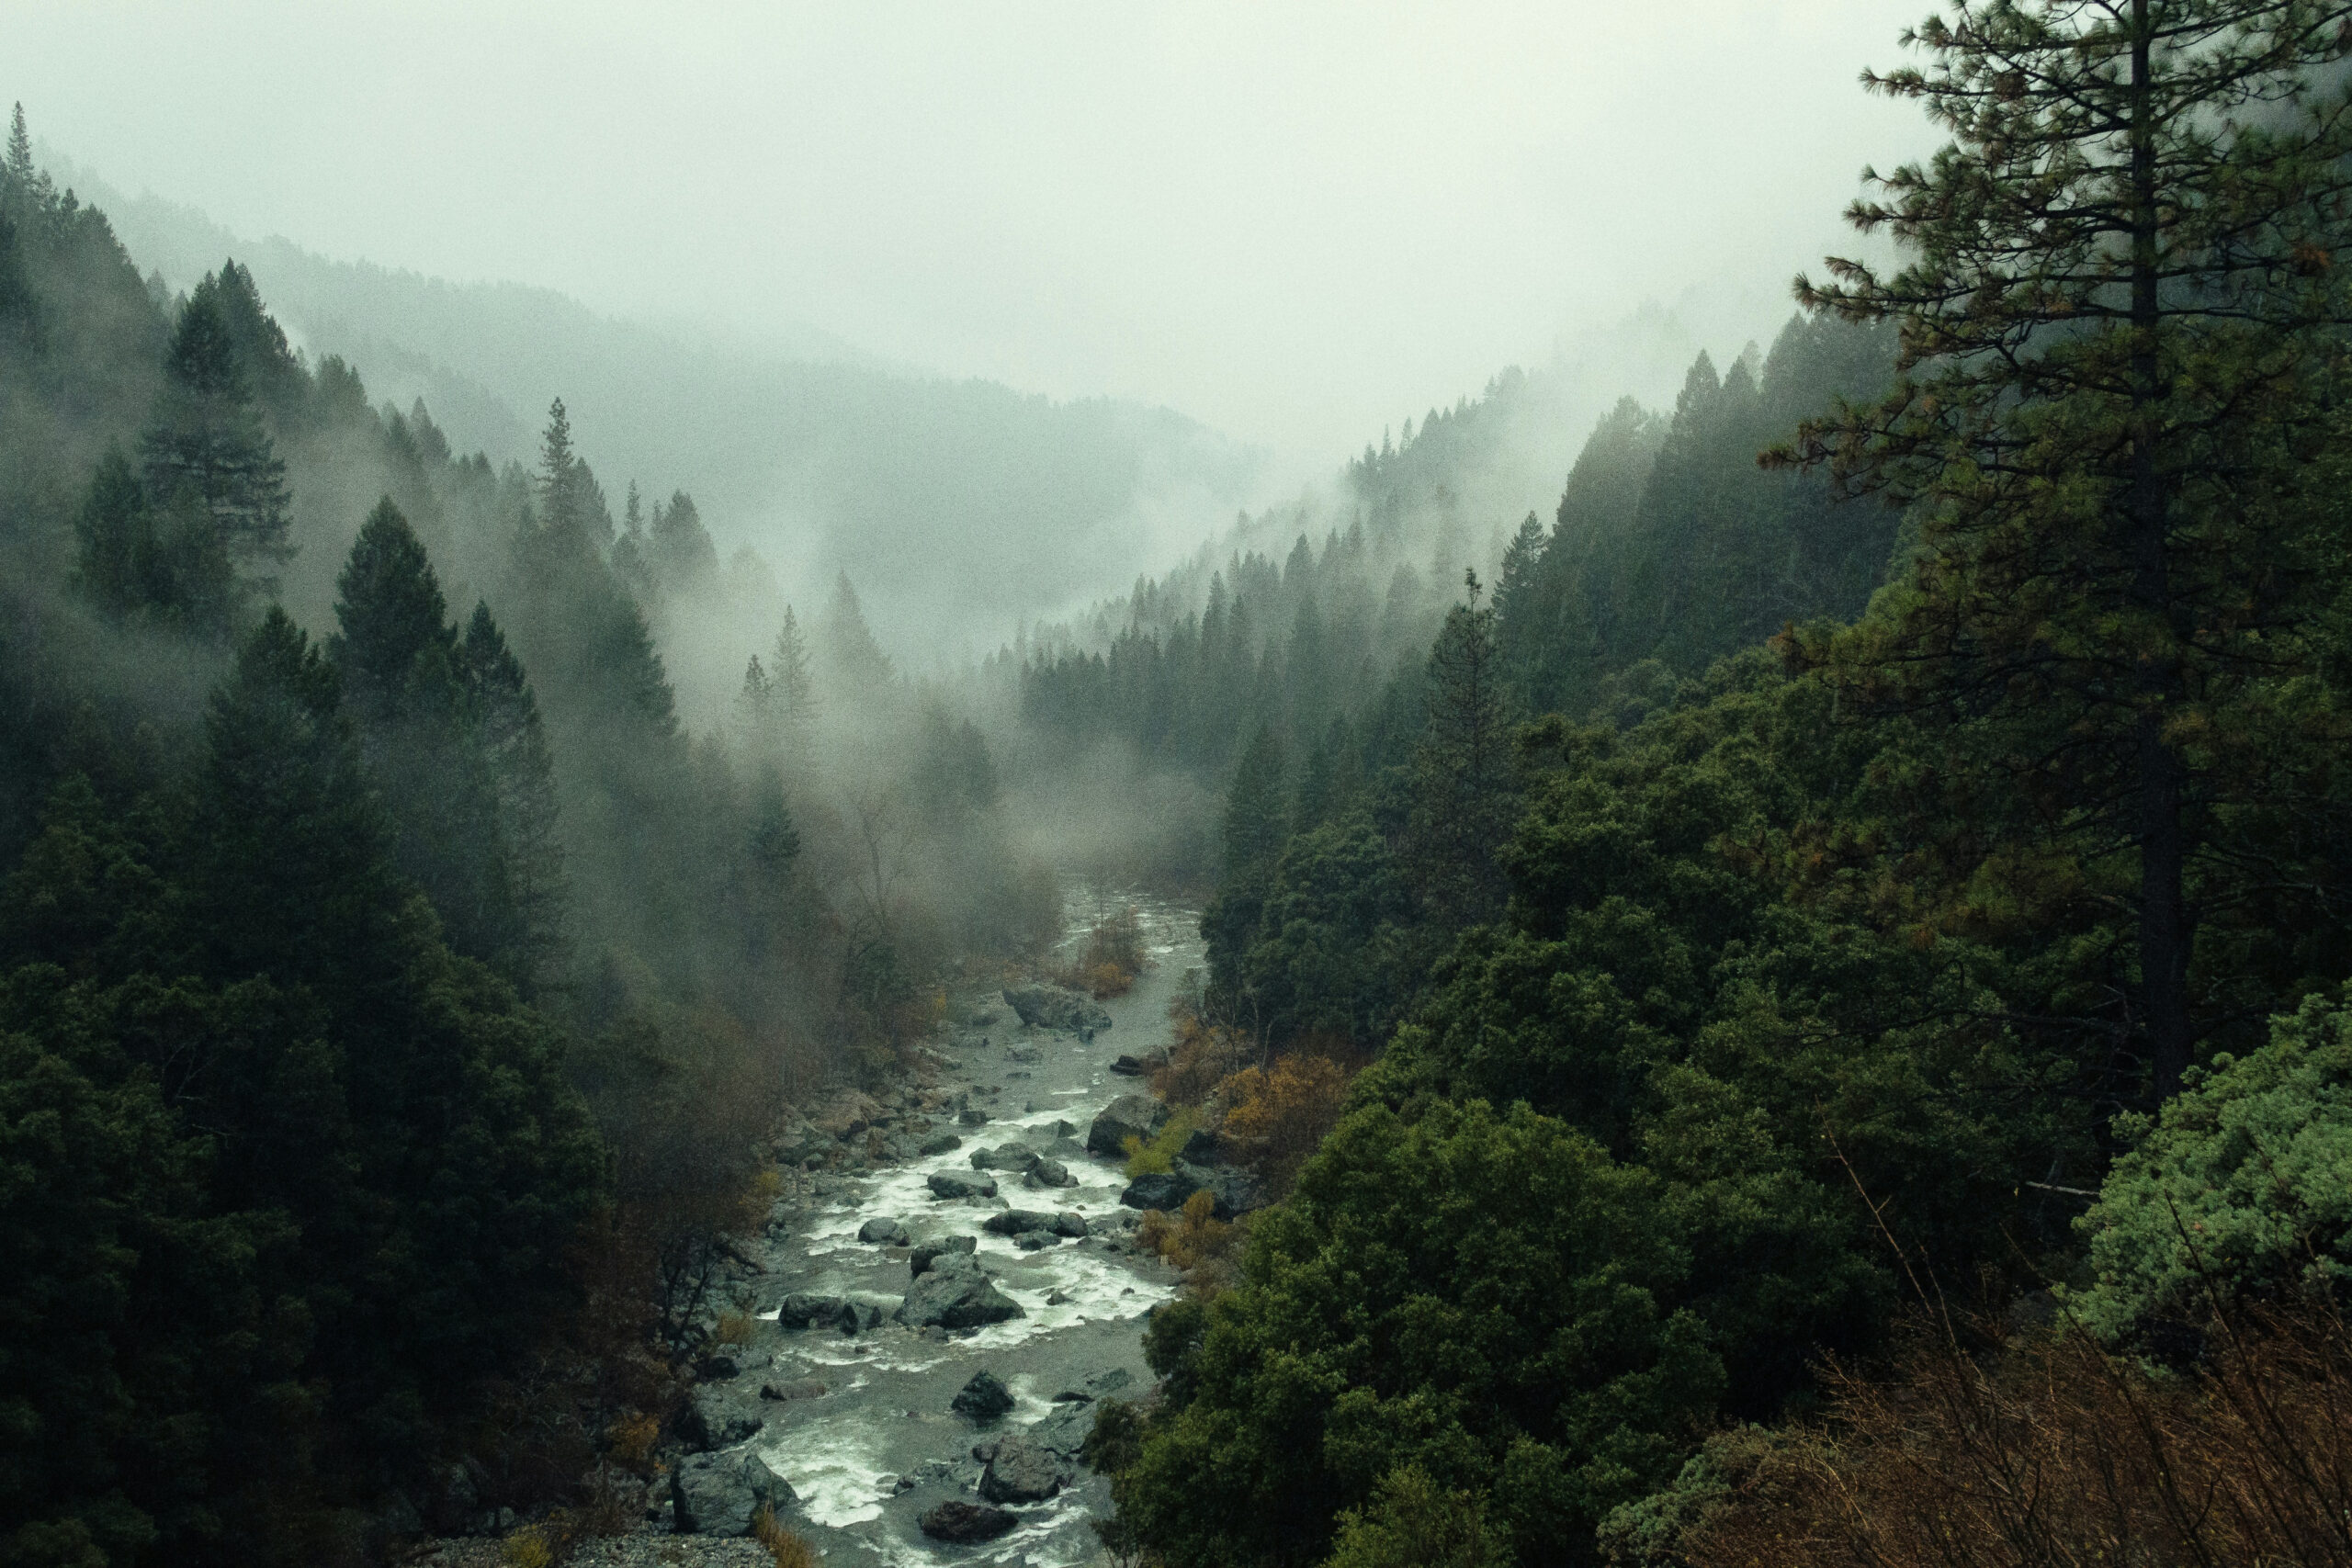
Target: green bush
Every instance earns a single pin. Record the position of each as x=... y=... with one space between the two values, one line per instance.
x=2243 y=1186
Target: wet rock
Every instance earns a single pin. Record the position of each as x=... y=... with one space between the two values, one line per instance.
x=718 y=1493
x=1048 y=1173
x=1064 y=1433
x=799 y=1311
x=1025 y=1054
x=1021 y=1469
x=921 y=1258
x=985 y=1398
x=1055 y=1007
x=939 y=1143
x=947 y=1184
x=1200 y=1148
x=785 y=1392
x=715 y=1418
x=862 y=1310
x=1006 y=1156
x=954 y=1293
x=1058 y=1299
x=887 y=1232
x=1101 y=1385
x=1160 y=1190
x=972 y=1116
x=1129 y=1116
x=961 y=1522
x=1012 y=1221
x=1128 y=1067
x=1036 y=1241
x=1065 y=1130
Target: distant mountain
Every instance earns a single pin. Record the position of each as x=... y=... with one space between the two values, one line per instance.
x=957 y=506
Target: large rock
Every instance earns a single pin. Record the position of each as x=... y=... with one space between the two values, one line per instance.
x=885 y=1232
x=1234 y=1190
x=801 y=1311
x=1055 y=1007
x=985 y=1398
x=947 y=1184
x=1064 y=1433
x=939 y=1143
x=1012 y=1221
x=953 y=1292
x=1006 y=1156
x=919 y=1260
x=845 y=1114
x=718 y=1493
x=713 y=1419
x=1021 y=1470
x=1129 y=1116
x=1048 y=1173
x=964 y=1522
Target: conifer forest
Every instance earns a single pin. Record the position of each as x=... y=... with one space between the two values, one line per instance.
x=1728 y=950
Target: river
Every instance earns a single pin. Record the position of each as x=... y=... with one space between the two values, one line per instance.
x=884 y=1414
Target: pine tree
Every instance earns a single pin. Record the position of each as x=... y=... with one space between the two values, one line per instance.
x=852 y=658
x=130 y=561
x=522 y=773
x=558 y=487
x=796 y=686
x=1463 y=787
x=2114 y=305
x=20 y=148
x=205 y=443
x=758 y=725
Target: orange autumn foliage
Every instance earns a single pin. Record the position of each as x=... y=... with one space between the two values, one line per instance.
x=1274 y=1118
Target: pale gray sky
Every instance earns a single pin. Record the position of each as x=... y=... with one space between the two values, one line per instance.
x=1298 y=223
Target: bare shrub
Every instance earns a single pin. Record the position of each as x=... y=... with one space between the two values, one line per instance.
x=2049 y=1451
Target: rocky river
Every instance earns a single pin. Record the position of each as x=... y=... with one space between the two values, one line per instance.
x=862 y=1387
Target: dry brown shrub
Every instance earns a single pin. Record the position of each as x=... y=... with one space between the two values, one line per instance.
x=1276 y=1117
x=1112 y=958
x=1202 y=1056
x=2050 y=1452
x=788 y=1550
x=1194 y=1239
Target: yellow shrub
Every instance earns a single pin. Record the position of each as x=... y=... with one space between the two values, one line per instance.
x=1192 y=1238
x=1156 y=1156
x=1202 y=1056
x=632 y=1437
x=735 y=1328
x=1275 y=1119
x=527 y=1548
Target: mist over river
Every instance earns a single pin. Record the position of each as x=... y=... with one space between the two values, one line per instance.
x=881 y=1446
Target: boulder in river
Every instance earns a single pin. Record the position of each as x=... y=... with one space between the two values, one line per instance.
x=954 y=1293
x=921 y=1257
x=718 y=1493
x=1057 y=1006
x=1006 y=1156
x=1012 y=1221
x=985 y=1398
x=972 y=1116
x=715 y=1418
x=964 y=1522
x=799 y=1311
x=1021 y=1470
x=800 y=1388
x=939 y=1143
x=1129 y=1116
x=1064 y=1433
x=1048 y=1173
x=947 y=1184
x=885 y=1232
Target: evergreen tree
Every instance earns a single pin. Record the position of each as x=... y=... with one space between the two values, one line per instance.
x=758 y=726
x=205 y=443
x=796 y=686
x=20 y=150
x=852 y=658
x=560 y=486
x=1463 y=791
x=2117 y=280
x=679 y=550
x=522 y=773
x=131 y=561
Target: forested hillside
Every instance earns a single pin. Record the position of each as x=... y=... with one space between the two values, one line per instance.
x=1835 y=952
x=391 y=1003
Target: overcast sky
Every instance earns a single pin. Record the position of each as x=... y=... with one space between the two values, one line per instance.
x=1295 y=221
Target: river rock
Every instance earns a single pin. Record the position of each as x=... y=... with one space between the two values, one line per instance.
x=939 y=1143
x=947 y=1184
x=718 y=1493
x=802 y=1143
x=1160 y=1190
x=1021 y=1470
x=1129 y=1116
x=1048 y=1173
x=1012 y=1221
x=1064 y=1433
x=953 y=1292
x=885 y=1232
x=785 y=1392
x=1055 y=1007
x=715 y=1418
x=963 y=1522
x=985 y=1398
x=1006 y=1156
x=799 y=1311
x=972 y=1116
x=1234 y=1190
x=921 y=1257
